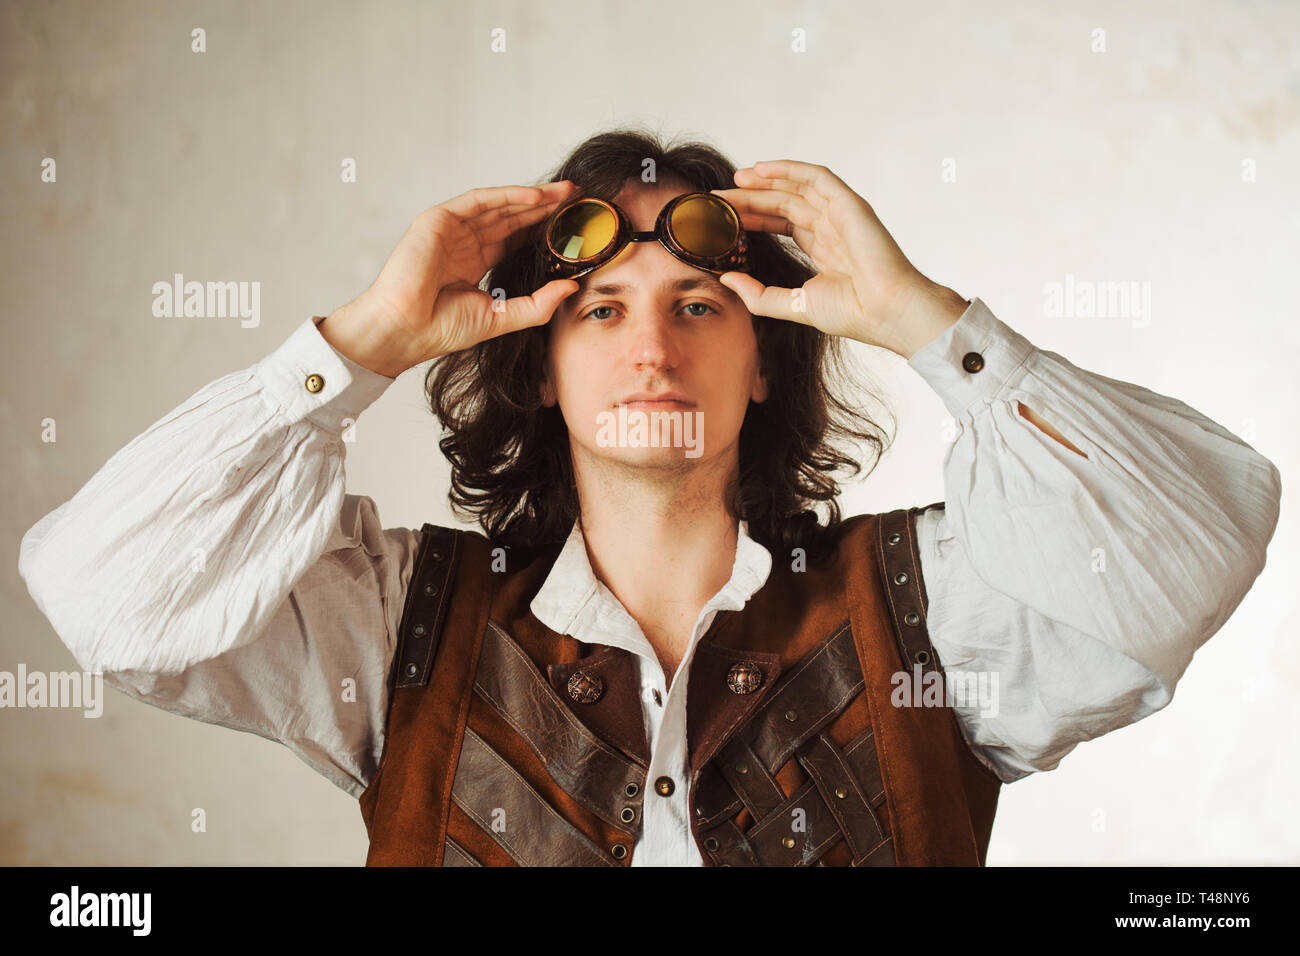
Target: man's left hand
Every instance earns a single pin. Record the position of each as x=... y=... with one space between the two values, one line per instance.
x=865 y=288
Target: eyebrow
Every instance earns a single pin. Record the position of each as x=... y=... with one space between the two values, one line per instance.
x=685 y=284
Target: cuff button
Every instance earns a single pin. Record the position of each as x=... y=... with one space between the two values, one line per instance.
x=314 y=383
x=972 y=361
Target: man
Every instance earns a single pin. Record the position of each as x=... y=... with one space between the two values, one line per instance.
x=618 y=672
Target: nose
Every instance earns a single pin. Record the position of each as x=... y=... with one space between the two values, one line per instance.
x=653 y=343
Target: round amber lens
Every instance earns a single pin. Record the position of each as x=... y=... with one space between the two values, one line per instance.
x=582 y=230
x=704 y=225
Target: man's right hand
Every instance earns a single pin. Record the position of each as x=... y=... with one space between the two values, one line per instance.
x=426 y=301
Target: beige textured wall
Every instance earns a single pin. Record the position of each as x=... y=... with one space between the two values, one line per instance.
x=1117 y=165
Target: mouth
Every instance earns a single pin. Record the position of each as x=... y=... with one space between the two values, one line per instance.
x=663 y=401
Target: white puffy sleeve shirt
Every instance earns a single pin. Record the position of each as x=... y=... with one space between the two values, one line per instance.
x=216 y=568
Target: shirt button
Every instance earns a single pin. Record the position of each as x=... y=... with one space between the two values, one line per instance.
x=972 y=361
x=315 y=383
x=664 y=786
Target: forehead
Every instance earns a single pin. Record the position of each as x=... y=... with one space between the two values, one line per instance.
x=643 y=201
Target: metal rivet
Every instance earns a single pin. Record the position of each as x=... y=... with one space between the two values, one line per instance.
x=411 y=670
x=628 y=815
x=893 y=538
x=787 y=842
x=419 y=630
x=745 y=677
x=742 y=768
x=436 y=555
x=841 y=792
x=618 y=850
x=632 y=789
x=791 y=716
x=431 y=589
x=911 y=618
x=900 y=577
x=585 y=688
x=710 y=843
x=314 y=382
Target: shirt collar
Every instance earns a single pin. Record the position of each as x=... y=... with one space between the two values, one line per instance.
x=573 y=601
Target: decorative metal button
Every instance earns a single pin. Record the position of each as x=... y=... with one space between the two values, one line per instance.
x=618 y=851
x=893 y=537
x=744 y=677
x=841 y=793
x=585 y=688
x=912 y=618
x=787 y=842
x=900 y=577
x=314 y=382
x=791 y=716
x=411 y=670
x=710 y=843
x=972 y=361
x=664 y=786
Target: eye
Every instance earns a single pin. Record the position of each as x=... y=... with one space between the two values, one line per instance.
x=698 y=315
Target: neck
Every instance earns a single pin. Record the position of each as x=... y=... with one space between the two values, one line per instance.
x=663 y=540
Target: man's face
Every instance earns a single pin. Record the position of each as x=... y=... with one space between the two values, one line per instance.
x=647 y=323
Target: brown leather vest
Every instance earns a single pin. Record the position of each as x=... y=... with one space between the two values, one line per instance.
x=509 y=744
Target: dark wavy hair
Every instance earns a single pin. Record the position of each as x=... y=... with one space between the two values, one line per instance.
x=510 y=457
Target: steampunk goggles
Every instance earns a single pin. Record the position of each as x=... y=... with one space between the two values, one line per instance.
x=699 y=228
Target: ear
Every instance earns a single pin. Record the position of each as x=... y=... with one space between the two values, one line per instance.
x=759 y=392
x=546 y=388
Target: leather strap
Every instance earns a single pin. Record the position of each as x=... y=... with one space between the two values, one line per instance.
x=457 y=855
x=900 y=564
x=427 y=598
x=588 y=769
x=815 y=691
x=517 y=817
x=786 y=838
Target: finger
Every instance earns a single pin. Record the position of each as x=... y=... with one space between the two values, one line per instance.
x=771 y=300
x=477 y=201
x=496 y=224
x=778 y=225
x=526 y=311
x=499 y=231
x=817 y=183
x=773 y=202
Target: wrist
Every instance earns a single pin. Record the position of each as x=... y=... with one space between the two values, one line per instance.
x=930 y=311
x=364 y=341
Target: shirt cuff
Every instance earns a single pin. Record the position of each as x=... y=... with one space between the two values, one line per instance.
x=973 y=359
x=310 y=379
